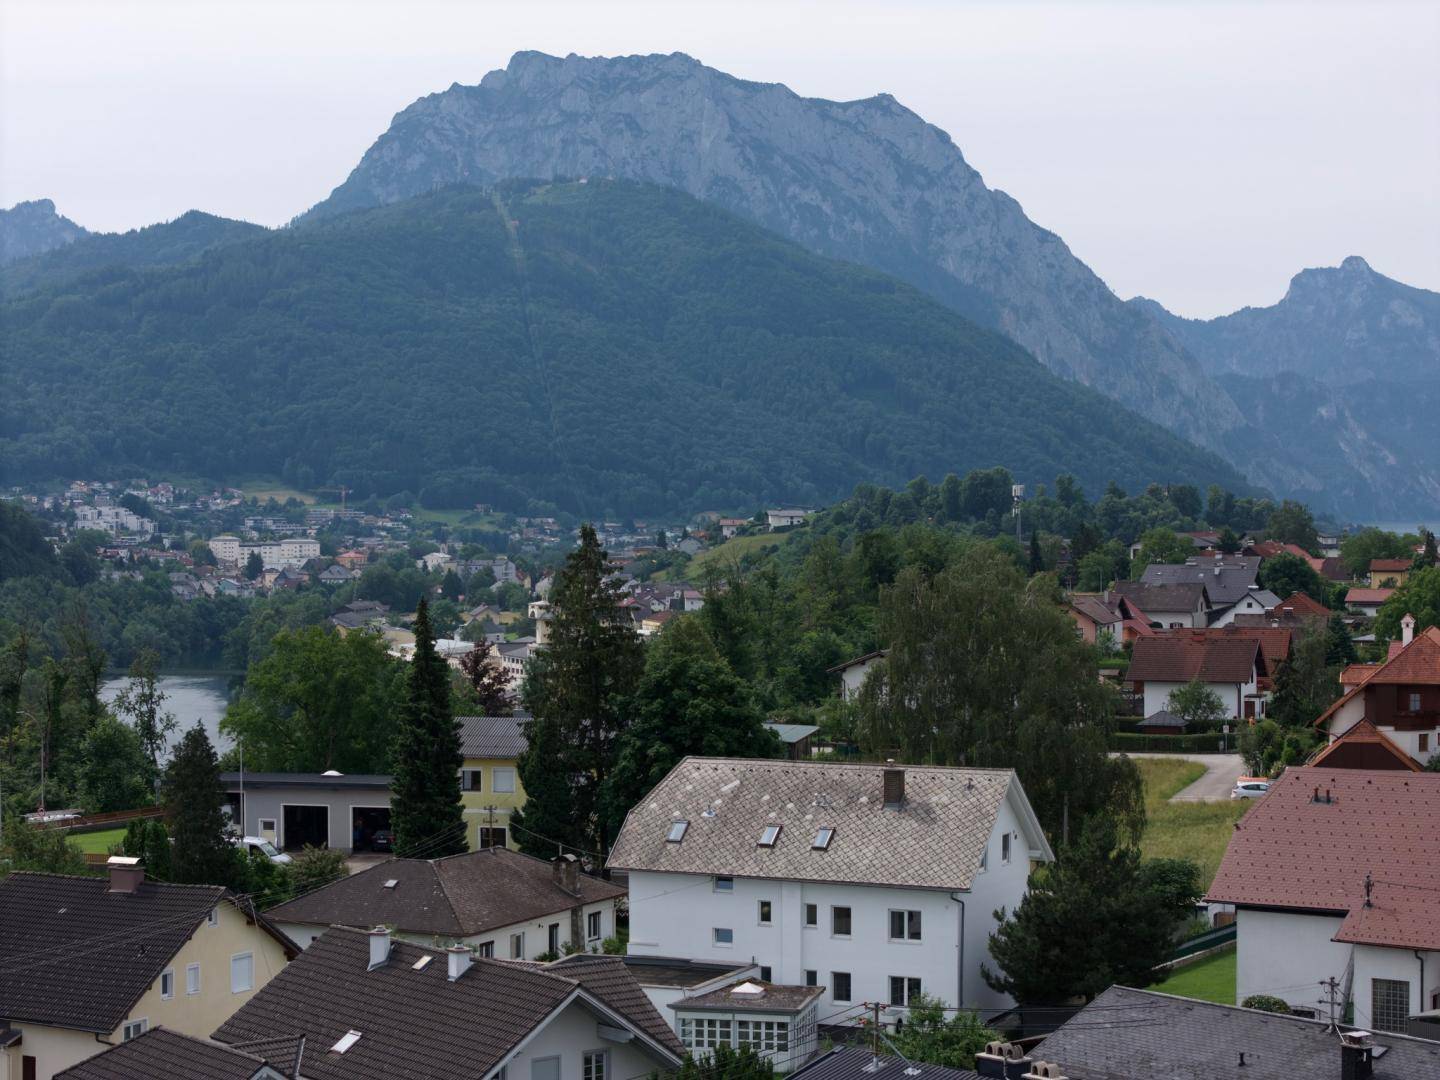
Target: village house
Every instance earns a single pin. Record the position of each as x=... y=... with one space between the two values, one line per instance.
x=497 y=902
x=1168 y=606
x=854 y=672
x=374 y=1007
x=1367 y=601
x=323 y=810
x=730 y=526
x=1255 y=601
x=1364 y=746
x=876 y=882
x=490 y=786
x=778 y=1022
x=87 y=962
x=1232 y=666
x=1331 y=876
x=1388 y=573
x=1227 y=579
x=160 y=1052
x=1400 y=697
x=776 y=520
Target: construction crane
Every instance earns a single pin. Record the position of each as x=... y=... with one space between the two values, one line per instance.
x=343 y=492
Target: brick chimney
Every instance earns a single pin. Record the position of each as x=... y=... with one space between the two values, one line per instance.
x=1407 y=629
x=379 y=947
x=457 y=958
x=1356 y=1055
x=565 y=871
x=894 y=786
x=1004 y=1060
x=126 y=874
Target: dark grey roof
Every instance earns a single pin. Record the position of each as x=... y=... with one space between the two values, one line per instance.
x=678 y=971
x=933 y=842
x=773 y=998
x=162 y=1054
x=1155 y=599
x=75 y=955
x=854 y=1063
x=457 y=896
x=609 y=979
x=492 y=736
x=1226 y=579
x=1163 y=718
x=413 y=1022
x=231 y=780
x=1141 y=1035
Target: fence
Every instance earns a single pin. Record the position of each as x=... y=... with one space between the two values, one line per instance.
x=1211 y=742
x=1211 y=939
x=107 y=820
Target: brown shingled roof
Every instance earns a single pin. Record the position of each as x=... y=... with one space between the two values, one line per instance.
x=1364 y=746
x=1182 y=657
x=1301 y=604
x=162 y=1054
x=1290 y=851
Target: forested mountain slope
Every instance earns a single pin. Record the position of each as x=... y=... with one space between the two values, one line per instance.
x=606 y=347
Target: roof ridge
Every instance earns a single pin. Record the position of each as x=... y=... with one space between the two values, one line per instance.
x=789 y=763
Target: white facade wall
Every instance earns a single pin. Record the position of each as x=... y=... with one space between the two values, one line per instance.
x=1246 y=605
x=568 y=1036
x=676 y=915
x=226 y=549
x=853 y=678
x=536 y=931
x=1287 y=955
x=1157 y=695
x=1372 y=962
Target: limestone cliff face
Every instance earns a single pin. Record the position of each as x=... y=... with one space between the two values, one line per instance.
x=31 y=228
x=868 y=181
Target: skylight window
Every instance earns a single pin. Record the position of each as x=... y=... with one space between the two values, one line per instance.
x=770 y=835
x=346 y=1041
x=419 y=965
x=823 y=838
x=677 y=832
x=392 y=882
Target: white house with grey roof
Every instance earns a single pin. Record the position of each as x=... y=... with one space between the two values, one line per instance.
x=875 y=882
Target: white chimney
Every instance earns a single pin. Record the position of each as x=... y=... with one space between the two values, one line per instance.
x=458 y=957
x=379 y=947
x=1407 y=629
x=126 y=874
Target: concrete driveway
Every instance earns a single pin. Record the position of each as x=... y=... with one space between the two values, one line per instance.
x=1220 y=773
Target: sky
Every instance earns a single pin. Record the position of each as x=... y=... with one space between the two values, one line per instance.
x=1200 y=153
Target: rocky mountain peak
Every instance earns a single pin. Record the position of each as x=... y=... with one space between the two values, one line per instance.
x=30 y=228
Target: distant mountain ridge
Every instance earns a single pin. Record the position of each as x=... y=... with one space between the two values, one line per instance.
x=868 y=181
x=606 y=347
x=33 y=228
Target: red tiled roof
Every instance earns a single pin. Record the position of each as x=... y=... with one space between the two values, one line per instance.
x=1355 y=674
x=1363 y=734
x=1292 y=852
x=1268 y=549
x=1389 y=566
x=1368 y=596
x=1274 y=641
x=1301 y=604
x=1181 y=658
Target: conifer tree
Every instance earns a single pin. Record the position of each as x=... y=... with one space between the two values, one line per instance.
x=425 y=806
x=200 y=854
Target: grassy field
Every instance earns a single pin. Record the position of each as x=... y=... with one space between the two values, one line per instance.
x=97 y=843
x=268 y=489
x=1211 y=979
x=1198 y=831
x=734 y=548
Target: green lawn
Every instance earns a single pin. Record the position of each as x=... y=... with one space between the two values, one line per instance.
x=735 y=548
x=1197 y=831
x=1211 y=979
x=97 y=843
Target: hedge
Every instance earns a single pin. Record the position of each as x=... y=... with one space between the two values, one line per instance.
x=1135 y=743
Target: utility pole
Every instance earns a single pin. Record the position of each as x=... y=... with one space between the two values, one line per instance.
x=1332 y=987
x=875 y=1031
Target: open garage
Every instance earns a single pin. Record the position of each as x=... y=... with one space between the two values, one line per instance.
x=334 y=810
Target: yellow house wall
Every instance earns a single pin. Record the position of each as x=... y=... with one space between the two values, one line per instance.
x=57 y=1049
x=476 y=803
x=1378 y=579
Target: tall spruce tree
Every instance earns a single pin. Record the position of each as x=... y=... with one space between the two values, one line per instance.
x=200 y=854
x=577 y=689
x=425 y=807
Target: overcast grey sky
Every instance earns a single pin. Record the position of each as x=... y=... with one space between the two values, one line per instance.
x=1196 y=152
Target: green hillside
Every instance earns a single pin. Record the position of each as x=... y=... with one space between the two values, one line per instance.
x=607 y=348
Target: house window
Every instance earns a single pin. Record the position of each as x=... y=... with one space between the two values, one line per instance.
x=812 y=977
x=1389 y=1005
x=765 y=912
x=167 y=985
x=1005 y=848
x=545 y=1068
x=765 y=1036
x=488 y=836
x=1414 y=702
x=812 y=914
x=676 y=832
x=840 y=985
x=242 y=972
x=765 y=973
x=192 y=978
x=502 y=781
x=724 y=884
x=486 y=949
x=134 y=1029
x=517 y=946
x=593 y=1066
x=1424 y=741
x=552 y=940
x=985 y=857
x=592 y=926
x=213 y=919
x=903 y=989
x=470 y=779
x=704 y=1033
x=267 y=825
x=840 y=921
x=722 y=935
x=904 y=926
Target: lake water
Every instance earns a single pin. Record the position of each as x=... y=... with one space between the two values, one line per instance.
x=188 y=697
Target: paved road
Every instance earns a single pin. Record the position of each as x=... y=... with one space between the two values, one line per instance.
x=1220 y=773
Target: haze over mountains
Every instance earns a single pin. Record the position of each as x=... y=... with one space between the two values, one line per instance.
x=1329 y=395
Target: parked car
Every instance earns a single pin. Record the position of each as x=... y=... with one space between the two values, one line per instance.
x=261 y=846
x=1249 y=787
x=383 y=840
